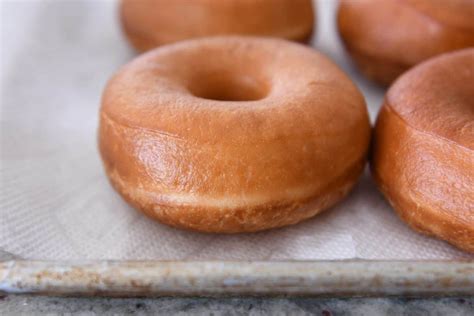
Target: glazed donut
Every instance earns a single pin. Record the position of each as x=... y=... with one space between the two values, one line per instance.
x=150 y=23
x=387 y=37
x=423 y=157
x=232 y=134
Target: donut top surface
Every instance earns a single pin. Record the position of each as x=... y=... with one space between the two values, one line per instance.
x=248 y=83
x=438 y=97
x=243 y=117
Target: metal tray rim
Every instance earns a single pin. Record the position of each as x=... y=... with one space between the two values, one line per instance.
x=210 y=278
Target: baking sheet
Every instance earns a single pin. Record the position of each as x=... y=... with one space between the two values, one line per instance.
x=55 y=201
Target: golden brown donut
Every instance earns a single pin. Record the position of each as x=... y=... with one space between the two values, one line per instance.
x=423 y=157
x=232 y=134
x=150 y=23
x=387 y=37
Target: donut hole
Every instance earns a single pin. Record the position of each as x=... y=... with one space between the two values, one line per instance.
x=229 y=87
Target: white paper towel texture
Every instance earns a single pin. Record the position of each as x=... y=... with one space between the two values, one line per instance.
x=55 y=201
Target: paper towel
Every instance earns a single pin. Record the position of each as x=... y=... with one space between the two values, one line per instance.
x=55 y=201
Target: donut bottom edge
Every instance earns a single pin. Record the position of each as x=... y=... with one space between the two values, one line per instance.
x=419 y=212
x=380 y=70
x=242 y=219
x=403 y=207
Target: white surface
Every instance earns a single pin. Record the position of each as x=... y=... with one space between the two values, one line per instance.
x=56 y=203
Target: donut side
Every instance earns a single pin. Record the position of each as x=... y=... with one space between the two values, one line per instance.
x=378 y=69
x=216 y=215
x=352 y=19
x=427 y=179
x=139 y=40
x=151 y=23
x=235 y=220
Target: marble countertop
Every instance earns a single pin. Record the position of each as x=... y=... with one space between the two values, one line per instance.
x=26 y=304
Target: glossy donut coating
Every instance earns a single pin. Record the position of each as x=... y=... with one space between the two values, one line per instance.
x=423 y=158
x=151 y=23
x=232 y=134
x=387 y=37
